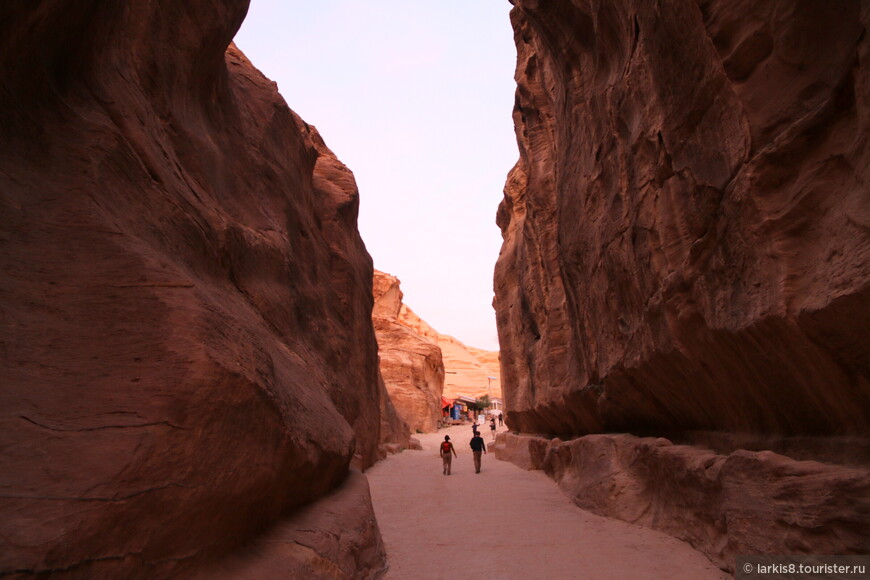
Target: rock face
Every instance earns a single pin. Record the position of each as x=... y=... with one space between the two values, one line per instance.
x=687 y=254
x=410 y=362
x=687 y=231
x=744 y=502
x=395 y=433
x=187 y=351
x=466 y=369
x=469 y=371
x=334 y=538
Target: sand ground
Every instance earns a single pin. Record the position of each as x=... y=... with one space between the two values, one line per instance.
x=507 y=523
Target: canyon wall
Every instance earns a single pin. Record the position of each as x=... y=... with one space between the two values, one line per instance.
x=687 y=230
x=723 y=504
x=419 y=364
x=187 y=350
x=410 y=362
x=468 y=371
x=687 y=255
x=471 y=372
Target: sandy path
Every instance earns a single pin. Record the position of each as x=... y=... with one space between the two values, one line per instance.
x=506 y=523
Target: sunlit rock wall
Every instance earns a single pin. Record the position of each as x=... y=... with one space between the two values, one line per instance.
x=410 y=363
x=687 y=231
x=187 y=351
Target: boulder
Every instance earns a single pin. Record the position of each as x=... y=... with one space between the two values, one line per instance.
x=742 y=503
x=335 y=538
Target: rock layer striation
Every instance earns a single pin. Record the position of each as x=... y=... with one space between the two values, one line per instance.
x=468 y=371
x=187 y=351
x=410 y=362
x=687 y=254
x=687 y=231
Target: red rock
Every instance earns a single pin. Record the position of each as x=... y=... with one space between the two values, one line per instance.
x=187 y=352
x=395 y=433
x=335 y=538
x=686 y=240
x=687 y=248
x=469 y=371
x=723 y=505
x=410 y=363
x=417 y=376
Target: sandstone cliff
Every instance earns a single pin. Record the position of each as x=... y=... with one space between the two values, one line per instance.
x=725 y=505
x=471 y=372
x=466 y=369
x=410 y=362
x=187 y=351
x=687 y=231
x=687 y=253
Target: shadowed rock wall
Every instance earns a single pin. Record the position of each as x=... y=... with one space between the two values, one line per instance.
x=187 y=351
x=687 y=231
x=465 y=368
x=687 y=253
x=724 y=505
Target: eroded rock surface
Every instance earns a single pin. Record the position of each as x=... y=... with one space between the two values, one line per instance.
x=687 y=231
x=745 y=502
x=687 y=253
x=395 y=433
x=335 y=538
x=187 y=352
x=410 y=363
x=468 y=371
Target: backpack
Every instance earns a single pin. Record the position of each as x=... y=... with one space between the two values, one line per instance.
x=445 y=447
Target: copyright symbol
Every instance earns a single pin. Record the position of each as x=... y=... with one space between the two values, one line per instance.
x=747 y=567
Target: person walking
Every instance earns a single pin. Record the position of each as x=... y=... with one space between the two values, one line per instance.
x=500 y=420
x=446 y=450
x=477 y=447
x=492 y=427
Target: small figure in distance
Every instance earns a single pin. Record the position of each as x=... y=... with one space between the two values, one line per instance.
x=492 y=427
x=446 y=450
x=474 y=426
x=477 y=447
x=500 y=420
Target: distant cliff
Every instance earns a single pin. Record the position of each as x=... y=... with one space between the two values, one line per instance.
x=420 y=364
x=410 y=362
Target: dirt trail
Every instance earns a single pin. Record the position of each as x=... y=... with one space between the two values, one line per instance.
x=507 y=524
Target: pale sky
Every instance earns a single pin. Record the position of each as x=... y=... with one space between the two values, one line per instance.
x=415 y=97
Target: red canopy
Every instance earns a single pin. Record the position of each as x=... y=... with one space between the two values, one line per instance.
x=446 y=402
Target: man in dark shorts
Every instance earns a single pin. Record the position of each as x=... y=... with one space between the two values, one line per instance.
x=477 y=447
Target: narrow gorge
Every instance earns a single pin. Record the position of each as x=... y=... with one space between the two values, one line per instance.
x=199 y=361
